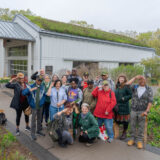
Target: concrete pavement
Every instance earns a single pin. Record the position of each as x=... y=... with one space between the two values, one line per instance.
x=117 y=150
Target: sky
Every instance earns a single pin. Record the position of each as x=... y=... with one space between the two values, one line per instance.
x=121 y=15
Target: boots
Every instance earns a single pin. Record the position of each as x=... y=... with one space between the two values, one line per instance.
x=124 y=135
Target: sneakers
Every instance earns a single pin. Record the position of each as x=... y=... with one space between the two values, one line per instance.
x=40 y=133
x=33 y=138
x=130 y=142
x=17 y=132
x=89 y=144
x=28 y=129
x=139 y=145
x=109 y=140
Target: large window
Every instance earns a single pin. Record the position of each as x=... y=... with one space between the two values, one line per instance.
x=18 y=66
x=18 y=51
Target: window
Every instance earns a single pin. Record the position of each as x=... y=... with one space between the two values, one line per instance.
x=18 y=66
x=125 y=64
x=18 y=51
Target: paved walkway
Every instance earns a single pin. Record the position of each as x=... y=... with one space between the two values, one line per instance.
x=117 y=150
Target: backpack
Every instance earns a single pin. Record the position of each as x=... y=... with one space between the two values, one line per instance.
x=3 y=119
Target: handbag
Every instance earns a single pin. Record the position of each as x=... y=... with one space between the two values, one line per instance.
x=28 y=111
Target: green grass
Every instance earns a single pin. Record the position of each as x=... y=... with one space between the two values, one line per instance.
x=67 y=28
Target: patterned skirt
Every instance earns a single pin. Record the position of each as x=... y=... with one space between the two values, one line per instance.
x=122 y=118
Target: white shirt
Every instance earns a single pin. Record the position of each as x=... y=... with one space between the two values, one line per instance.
x=140 y=91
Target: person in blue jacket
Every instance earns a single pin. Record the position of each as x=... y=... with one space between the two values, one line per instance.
x=36 y=98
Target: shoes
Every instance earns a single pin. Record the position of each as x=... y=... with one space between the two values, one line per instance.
x=63 y=145
x=17 y=132
x=130 y=142
x=139 y=145
x=109 y=140
x=89 y=144
x=33 y=138
x=40 y=133
x=28 y=129
x=124 y=135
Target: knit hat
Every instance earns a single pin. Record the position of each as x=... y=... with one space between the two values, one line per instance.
x=20 y=75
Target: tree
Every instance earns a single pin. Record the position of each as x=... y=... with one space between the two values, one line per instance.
x=81 y=23
x=7 y=14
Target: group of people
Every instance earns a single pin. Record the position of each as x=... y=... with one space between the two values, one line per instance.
x=71 y=106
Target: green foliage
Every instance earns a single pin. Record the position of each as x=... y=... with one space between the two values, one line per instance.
x=152 y=67
x=129 y=70
x=81 y=31
x=81 y=23
x=7 y=14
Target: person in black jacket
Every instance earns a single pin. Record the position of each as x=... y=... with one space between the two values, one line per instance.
x=19 y=102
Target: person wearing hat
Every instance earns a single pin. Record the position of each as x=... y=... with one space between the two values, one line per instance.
x=104 y=76
x=19 y=102
x=142 y=99
x=74 y=75
x=88 y=97
x=106 y=101
x=89 y=129
x=36 y=99
x=62 y=127
x=85 y=79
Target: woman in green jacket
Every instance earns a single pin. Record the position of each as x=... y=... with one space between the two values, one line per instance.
x=123 y=95
x=88 y=126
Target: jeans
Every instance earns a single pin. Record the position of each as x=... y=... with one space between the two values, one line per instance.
x=108 y=124
x=53 y=110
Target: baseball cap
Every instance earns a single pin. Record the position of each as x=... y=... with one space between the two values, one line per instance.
x=105 y=83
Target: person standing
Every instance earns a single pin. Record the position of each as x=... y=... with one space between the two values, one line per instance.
x=36 y=98
x=142 y=99
x=85 y=79
x=41 y=74
x=122 y=111
x=19 y=102
x=58 y=98
x=88 y=97
x=106 y=101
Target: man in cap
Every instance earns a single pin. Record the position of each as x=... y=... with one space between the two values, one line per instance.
x=104 y=76
x=74 y=75
x=36 y=99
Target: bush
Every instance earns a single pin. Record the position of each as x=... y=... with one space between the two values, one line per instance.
x=129 y=70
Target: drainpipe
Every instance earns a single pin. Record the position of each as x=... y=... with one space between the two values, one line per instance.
x=40 y=51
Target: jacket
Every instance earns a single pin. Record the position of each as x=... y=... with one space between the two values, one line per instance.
x=15 y=103
x=32 y=95
x=89 y=124
x=105 y=103
x=89 y=99
x=123 y=95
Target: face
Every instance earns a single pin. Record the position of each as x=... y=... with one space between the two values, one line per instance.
x=21 y=80
x=42 y=72
x=104 y=77
x=38 y=82
x=47 y=79
x=74 y=72
x=54 y=78
x=69 y=111
x=142 y=82
x=64 y=79
x=73 y=84
x=105 y=87
x=85 y=78
x=85 y=110
x=121 y=80
x=90 y=86
x=58 y=85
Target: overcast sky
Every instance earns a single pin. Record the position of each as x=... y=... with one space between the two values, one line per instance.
x=121 y=15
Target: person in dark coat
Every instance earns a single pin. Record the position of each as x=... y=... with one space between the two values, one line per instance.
x=123 y=95
x=19 y=102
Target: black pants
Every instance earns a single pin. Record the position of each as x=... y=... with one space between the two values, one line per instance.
x=45 y=111
x=19 y=113
x=125 y=124
x=85 y=138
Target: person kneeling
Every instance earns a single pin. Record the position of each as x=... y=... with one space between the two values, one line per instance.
x=88 y=126
x=63 y=123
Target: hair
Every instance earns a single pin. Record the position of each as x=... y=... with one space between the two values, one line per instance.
x=85 y=105
x=58 y=80
x=47 y=75
x=63 y=76
x=75 y=80
x=90 y=82
x=125 y=80
x=55 y=75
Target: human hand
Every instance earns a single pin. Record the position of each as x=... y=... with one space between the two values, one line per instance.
x=13 y=79
x=59 y=104
x=145 y=113
x=86 y=132
x=33 y=89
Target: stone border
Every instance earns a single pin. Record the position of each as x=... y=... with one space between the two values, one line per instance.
x=33 y=146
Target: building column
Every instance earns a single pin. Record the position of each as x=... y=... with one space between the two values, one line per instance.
x=29 y=60
x=2 y=56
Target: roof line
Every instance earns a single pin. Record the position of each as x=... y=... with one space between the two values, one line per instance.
x=95 y=40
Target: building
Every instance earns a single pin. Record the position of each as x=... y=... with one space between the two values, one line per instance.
x=26 y=47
